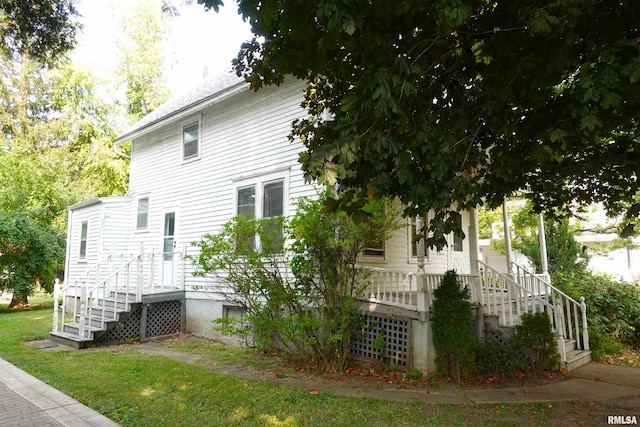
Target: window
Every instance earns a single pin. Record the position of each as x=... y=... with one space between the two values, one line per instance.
x=374 y=245
x=142 y=223
x=457 y=243
x=414 y=243
x=191 y=141
x=262 y=200
x=83 y=239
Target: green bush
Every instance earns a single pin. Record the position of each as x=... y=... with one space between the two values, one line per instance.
x=602 y=344
x=535 y=336
x=495 y=358
x=299 y=293
x=453 y=338
x=612 y=306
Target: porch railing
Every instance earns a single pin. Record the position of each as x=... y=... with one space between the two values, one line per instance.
x=410 y=290
x=525 y=292
x=108 y=288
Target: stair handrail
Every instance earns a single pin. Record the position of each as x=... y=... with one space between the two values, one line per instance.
x=570 y=311
x=59 y=291
x=509 y=287
x=86 y=295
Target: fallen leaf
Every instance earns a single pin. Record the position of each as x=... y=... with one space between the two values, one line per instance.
x=314 y=392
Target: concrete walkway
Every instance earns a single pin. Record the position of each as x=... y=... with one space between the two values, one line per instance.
x=26 y=401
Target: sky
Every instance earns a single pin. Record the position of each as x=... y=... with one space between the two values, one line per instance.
x=200 y=40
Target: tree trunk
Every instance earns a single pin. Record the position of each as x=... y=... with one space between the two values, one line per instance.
x=16 y=301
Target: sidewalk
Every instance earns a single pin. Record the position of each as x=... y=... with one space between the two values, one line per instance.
x=26 y=401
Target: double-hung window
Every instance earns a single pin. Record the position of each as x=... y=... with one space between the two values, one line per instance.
x=142 y=221
x=415 y=240
x=84 y=230
x=262 y=199
x=191 y=141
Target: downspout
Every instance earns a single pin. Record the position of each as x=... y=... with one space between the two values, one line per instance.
x=120 y=153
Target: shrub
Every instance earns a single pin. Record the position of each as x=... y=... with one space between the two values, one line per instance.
x=495 y=358
x=535 y=336
x=300 y=298
x=452 y=318
x=612 y=306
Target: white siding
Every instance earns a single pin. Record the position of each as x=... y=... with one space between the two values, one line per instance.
x=106 y=233
x=245 y=136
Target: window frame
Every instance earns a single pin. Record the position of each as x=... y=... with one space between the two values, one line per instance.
x=84 y=239
x=197 y=121
x=259 y=183
x=413 y=249
x=138 y=213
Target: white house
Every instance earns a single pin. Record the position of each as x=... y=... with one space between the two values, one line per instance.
x=197 y=161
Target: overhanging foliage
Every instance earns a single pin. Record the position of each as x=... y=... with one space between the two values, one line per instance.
x=460 y=103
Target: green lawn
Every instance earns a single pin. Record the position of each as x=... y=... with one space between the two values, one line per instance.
x=135 y=389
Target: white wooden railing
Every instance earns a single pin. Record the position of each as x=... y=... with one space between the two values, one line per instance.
x=111 y=285
x=410 y=290
x=526 y=292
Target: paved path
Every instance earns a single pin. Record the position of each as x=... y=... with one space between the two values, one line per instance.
x=26 y=401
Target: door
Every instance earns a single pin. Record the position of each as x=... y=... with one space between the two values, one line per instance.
x=169 y=261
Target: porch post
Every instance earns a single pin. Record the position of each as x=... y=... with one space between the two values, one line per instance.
x=473 y=240
x=420 y=244
x=543 y=245
x=507 y=237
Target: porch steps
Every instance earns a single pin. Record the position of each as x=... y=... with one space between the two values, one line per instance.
x=575 y=356
x=70 y=334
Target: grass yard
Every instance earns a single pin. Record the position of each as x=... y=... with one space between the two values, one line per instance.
x=136 y=389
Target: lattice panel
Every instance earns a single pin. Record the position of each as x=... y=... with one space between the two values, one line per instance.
x=394 y=332
x=127 y=329
x=163 y=318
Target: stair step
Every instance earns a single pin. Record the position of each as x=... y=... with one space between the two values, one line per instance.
x=577 y=358
x=71 y=340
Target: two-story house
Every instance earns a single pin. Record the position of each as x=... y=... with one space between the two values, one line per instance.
x=197 y=161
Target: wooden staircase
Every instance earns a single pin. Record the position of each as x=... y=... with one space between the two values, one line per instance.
x=114 y=303
x=506 y=298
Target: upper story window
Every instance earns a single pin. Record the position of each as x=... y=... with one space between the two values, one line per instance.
x=84 y=230
x=191 y=141
x=142 y=222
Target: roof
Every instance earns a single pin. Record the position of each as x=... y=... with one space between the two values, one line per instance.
x=185 y=103
x=98 y=200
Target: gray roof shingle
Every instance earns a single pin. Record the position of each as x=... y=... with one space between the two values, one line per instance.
x=181 y=102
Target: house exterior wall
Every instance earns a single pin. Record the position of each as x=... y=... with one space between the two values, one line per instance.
x=243 y=140
x=106 y=220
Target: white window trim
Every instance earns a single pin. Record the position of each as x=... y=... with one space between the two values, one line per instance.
x=259 y=182
x=145 y=229
x=197 y=119
x=83 y=257
x=413 y=259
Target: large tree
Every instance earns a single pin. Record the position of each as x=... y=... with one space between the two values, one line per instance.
x=41 y=29
x=463 y=102
x=142 y=55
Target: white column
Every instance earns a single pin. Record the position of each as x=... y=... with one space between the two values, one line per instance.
x=473 y=240
x=420 y=244
x=507 y=237
x=543 y=245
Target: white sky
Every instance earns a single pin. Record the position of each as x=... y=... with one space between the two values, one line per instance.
x=200 y=40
